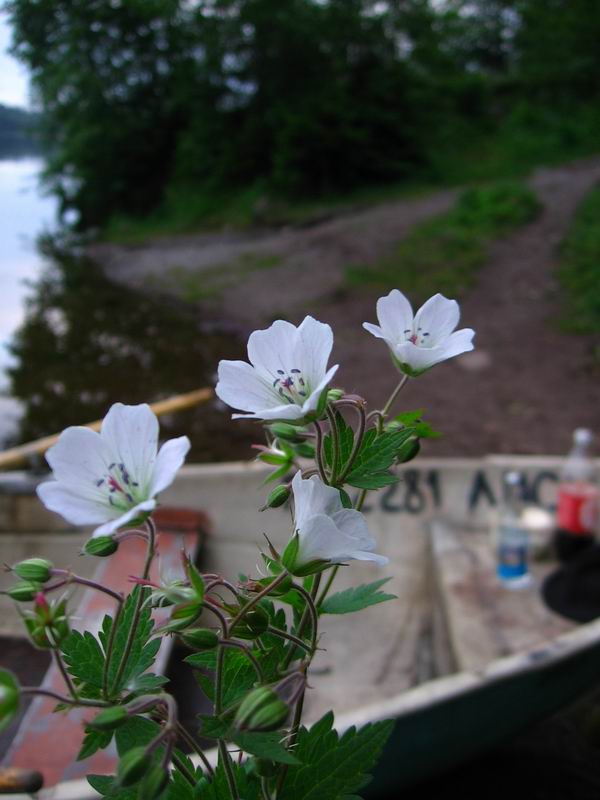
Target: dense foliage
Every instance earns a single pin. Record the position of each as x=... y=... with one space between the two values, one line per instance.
x=157 y=105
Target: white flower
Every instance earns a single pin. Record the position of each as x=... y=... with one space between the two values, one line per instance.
x=112 y=477
x=326 y=530
x=420 y=341
x=287 y=375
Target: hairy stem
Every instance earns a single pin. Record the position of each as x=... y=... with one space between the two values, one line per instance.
x=390 y=402
x=257 y=598
x=335 y=444
x=62 y=699
x=319 y=453
x=138 y=606
x=228 y=767
x=358 y=438
x=248 y=654
x=109 y=649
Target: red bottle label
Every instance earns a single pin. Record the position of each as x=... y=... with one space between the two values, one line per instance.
x=577 y=508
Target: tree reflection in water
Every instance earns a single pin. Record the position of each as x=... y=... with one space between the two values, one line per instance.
x=87 y=342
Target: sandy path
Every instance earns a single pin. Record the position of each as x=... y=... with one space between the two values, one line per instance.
x=523 y=390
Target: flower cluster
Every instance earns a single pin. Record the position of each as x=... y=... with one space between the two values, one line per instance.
x=261 y=632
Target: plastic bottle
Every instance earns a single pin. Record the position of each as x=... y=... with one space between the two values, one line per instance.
x=577 y=507
x=512 y=543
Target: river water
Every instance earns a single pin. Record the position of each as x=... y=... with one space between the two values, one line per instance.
x=24 y=213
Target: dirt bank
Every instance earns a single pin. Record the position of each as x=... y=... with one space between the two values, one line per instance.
x=523 y=390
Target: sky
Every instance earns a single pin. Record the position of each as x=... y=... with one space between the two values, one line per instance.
x=13 y=76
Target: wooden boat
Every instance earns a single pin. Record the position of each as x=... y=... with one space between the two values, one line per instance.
x=459 y=662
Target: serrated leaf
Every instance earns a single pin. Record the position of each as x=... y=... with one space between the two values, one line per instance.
x=218 y=789
x=84 y=658
x=214 y=727
x=334 y=767
x=265 y=745
x=375 y=457
x=376 y=480
x=104 y=785
x=93 y=741
x=356 y=598
x=143 y=651
x=147 y=684
x=412 y=420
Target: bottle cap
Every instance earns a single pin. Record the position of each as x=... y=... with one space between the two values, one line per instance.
x=582 y=436
x=513 y=478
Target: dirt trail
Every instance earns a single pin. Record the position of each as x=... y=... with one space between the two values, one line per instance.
x=524 y=388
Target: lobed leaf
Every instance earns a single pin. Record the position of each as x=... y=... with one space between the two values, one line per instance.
x=356 y=598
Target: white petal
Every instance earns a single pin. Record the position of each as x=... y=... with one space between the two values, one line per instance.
x=72 y=505
x=274 y=348
x=241 y=386
x=311 y=403
x=361 y=555
x=78 y=460
x=315 y=342
x=312 y=496
x=375 y=330
x=320 y=539
x=168 y=461
x=354 y=525
x=418 y=358
x=131 y=433
x=287 y=412
x=119 y=522
x=459 y=342
x=395 y=315
x=438 y=317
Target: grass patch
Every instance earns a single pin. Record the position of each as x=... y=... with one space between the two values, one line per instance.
x=579 y=272
x=195 y=286
x=445 y=253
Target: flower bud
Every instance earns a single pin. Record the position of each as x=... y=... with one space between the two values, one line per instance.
x=24 y=591
x=287 y=432
x=261 y=710
x=109 y=719
x=334 y=394
x=305 y=450
x=408 y=450
x=101 y=546
x=132 y=766
x=33 y=569
x=9 y=698
x=278 y=496
x=201 y=639
x=154 y=783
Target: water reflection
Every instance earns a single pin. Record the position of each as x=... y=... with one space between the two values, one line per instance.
x=87 y=342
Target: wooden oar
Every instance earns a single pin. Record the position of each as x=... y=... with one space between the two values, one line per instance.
x=17 y=455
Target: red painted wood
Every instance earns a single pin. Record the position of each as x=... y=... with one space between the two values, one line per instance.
x=50 y=742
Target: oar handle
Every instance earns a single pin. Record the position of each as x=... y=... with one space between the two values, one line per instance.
x=17 y=455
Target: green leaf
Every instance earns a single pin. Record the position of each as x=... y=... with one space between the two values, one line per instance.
x=93 y=741
x=334 y=767
x=265 y=745
x=104 y=785
x=375 y=457
x=356 y=598
x=143 y=651
x=137 y=732
x=218 y=789
x=346 y=437
x=84 y=659
x=147 y=684
x=214 y=727
x=412 y=420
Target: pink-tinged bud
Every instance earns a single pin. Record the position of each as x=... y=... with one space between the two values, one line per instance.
x=41 y=604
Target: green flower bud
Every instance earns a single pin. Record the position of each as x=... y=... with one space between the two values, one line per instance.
x=261 y=710
x=305 y=450
x=201 y=639
x=33 y=569
x=24 y=591
x=154 y=783
x=278 y=496
x=287 y=432
x=408 y=450
x=132 y=766
x=9 y=698
x=334 y=394
x=101 y=546
x=109 y=719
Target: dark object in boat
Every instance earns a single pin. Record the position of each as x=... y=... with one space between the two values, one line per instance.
x=573 y=590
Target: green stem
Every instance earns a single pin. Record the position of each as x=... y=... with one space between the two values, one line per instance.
x=289 y=636
x=109 y=649
x=183 y=769
x=257 y=598
x=193 y=745
x=319 y=453
x=335 y=445
x=227 y=766
x=306 y=614
x=62 y=699
x=219 y=680
x=67 y=678
x=390 y=402
x=311 y=608
x=358 y=438
x=248 y=654
x=330 y=580
x=138 y=606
